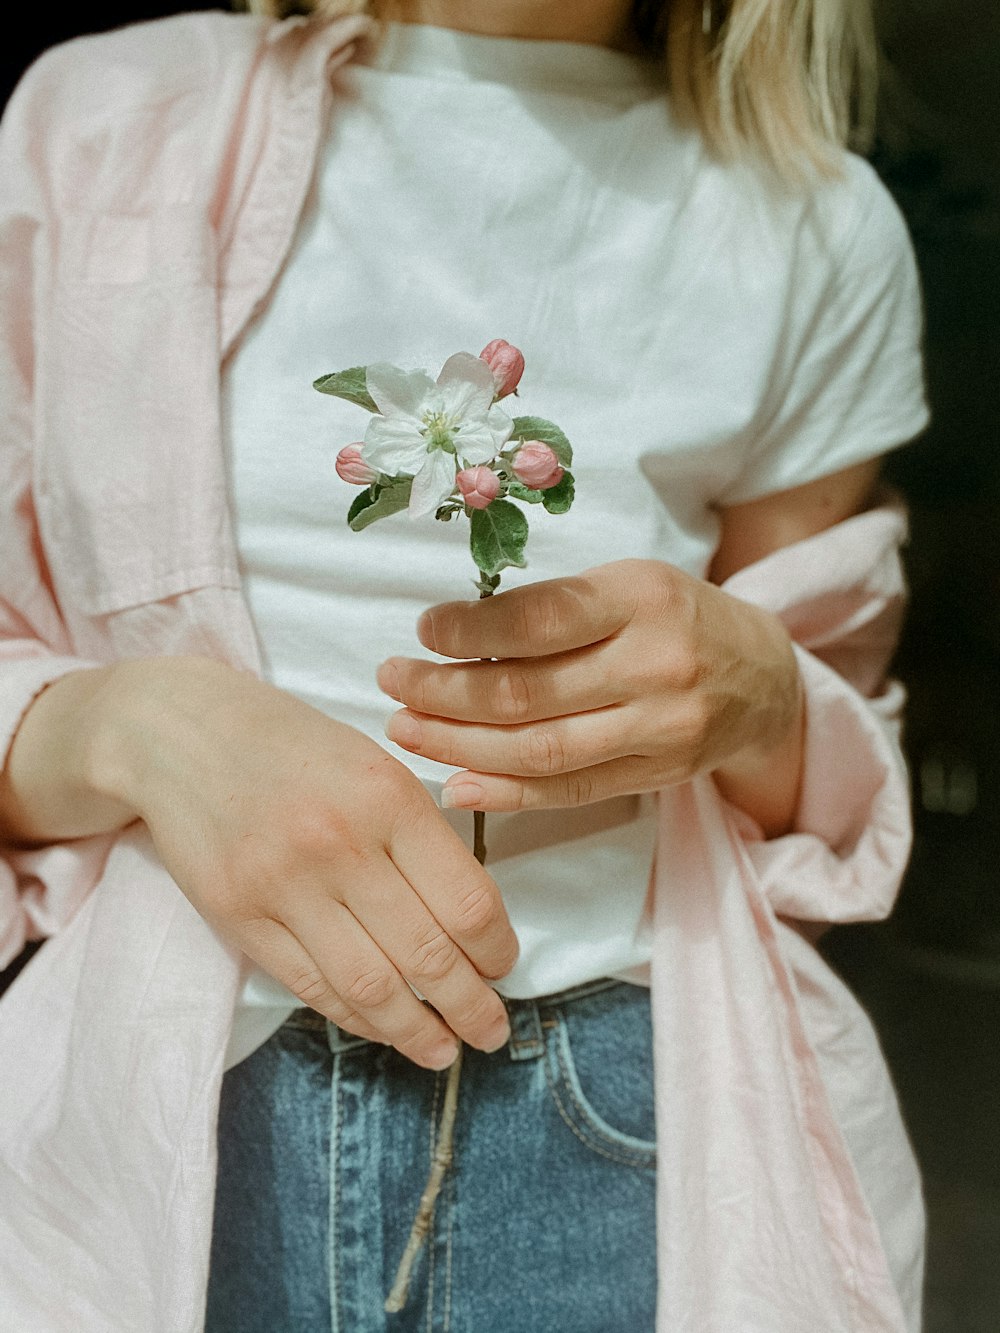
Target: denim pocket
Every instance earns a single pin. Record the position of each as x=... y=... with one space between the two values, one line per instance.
x=599 y=1063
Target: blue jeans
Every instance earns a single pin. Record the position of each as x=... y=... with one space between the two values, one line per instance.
x=545 y=1223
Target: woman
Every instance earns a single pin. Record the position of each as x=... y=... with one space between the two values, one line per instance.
x=720 y=308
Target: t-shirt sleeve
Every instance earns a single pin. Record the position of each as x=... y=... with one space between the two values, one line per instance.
x=849 y=384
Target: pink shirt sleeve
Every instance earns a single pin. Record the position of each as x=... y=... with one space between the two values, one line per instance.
x=38 y=890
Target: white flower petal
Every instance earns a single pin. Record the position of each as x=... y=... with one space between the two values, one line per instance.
x=393 y=446
x=433 y=483
x=398 y=393
x=466 y=384
x=475 y=442
x=501 y=425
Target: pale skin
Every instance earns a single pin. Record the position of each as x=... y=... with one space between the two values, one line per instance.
x=630 y=677
x=320 y=855
x=593 y=22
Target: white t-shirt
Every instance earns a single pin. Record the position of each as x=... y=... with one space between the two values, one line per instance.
x=702 y=337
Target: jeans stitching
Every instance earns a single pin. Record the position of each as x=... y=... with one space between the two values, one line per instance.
x=592 y=1123
x=448 y=1252
x=333 y=1249
x=582 y=992
x=429 y=1245
x=587 y=1132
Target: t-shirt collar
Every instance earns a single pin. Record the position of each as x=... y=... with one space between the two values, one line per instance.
x=575 y=68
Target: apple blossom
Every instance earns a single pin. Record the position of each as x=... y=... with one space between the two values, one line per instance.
x=443 y=448
x=507 y=365
x=536 y=465
x=480 y=486
x=352 y=468
x=428 y=431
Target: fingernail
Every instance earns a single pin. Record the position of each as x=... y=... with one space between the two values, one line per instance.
x=425 y=630
x=443 y=1056
x=404 y=730
x=463 y=796
x=388 y=679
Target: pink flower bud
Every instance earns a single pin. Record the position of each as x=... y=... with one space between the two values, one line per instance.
x=479 y=486
x=507 y=365
x=536 y=465
x=352 y=468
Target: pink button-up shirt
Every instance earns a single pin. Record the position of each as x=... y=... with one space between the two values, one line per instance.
x=153 y=180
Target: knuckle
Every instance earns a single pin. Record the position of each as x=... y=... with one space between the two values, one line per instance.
x=320 y=832
x=369 y=989
x=387 y=781
x=512 y=694
x=433 y=957
x=408 y=806
x=580 y=787
x=417 y=1039
x=543 y=752
x=687 y=672
x=313 y=989
x=475 y=912
x=519 y=796
x=538 y=618
x=416 y=689
x=657 y=585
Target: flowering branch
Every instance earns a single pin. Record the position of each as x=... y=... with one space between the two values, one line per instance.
x=445 y=447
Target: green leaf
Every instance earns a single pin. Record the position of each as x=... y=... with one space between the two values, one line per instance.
x=361 y=502
x=498 y=536
x=537 y=428
x=349 y=384
x=558 y=498
x=525 y=493
x=390 y=499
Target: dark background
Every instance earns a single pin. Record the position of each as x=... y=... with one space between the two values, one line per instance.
x=930 y=976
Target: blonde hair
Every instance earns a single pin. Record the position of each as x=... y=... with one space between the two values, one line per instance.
x=790 y=82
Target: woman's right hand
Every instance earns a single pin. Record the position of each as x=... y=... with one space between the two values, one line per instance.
x=311 y=848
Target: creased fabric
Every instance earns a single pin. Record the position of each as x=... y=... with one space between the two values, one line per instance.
x=763 y=1221
x=772 y=1091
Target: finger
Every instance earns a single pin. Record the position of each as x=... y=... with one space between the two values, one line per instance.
x=350 y=963
x=552 y=616
x=539 y=749
x=274 y=948
x=584 y=786
x=357 y=1027
x=457 y=892
x=516 y=690
x=430 y=960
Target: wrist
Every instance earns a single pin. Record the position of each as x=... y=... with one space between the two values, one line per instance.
x=49 y=788
x=142 y=709
x=763 y=776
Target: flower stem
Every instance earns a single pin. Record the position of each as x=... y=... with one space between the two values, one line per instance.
x=440 y=1163
x=479 y=836
x=486 y=586
x=443 y=1149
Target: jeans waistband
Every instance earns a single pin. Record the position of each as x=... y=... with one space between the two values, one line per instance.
x=526 y=1017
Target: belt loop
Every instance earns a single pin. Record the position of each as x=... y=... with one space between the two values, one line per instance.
x=527 y=1040
x=340 y=1042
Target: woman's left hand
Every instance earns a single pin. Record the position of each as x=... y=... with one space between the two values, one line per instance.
x=629 y=677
